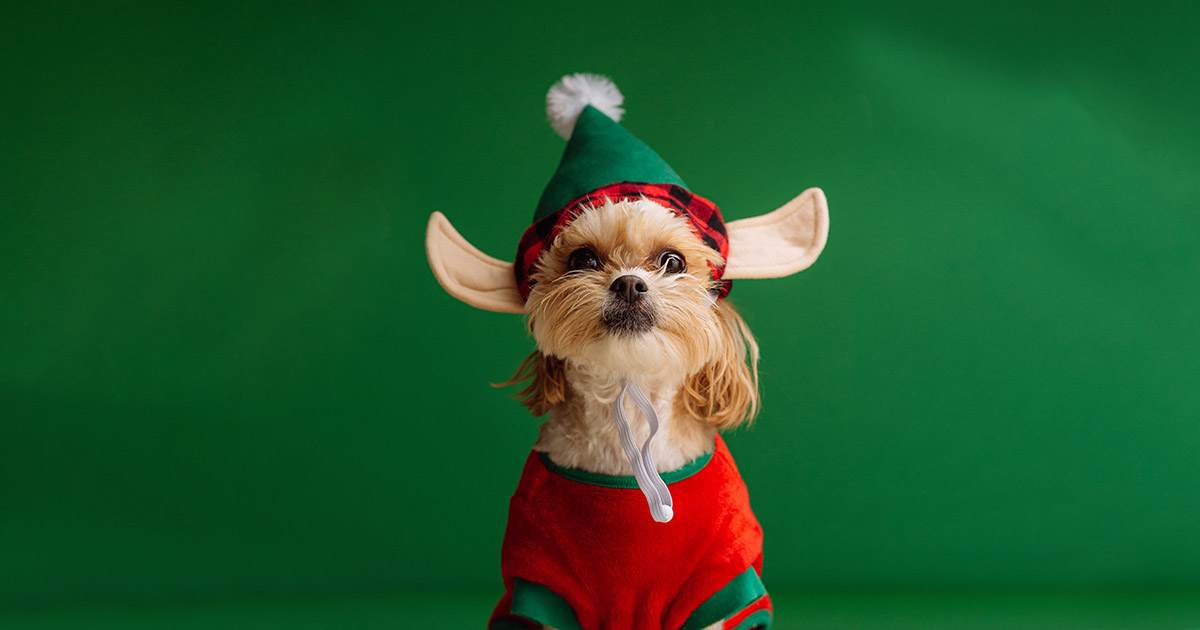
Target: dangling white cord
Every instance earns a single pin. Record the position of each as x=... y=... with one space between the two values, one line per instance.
x=651 y=484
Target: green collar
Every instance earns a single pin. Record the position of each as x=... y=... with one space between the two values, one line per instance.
x=624 y=481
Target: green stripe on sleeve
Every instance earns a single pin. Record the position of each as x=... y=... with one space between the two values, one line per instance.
x=741 y=591
x=534 y=601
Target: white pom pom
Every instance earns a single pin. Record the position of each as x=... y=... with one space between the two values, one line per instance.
x=567 y=98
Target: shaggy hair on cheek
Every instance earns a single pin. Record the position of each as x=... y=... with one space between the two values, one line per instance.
x=724 y=393
x=705 y=345
x=547 y=383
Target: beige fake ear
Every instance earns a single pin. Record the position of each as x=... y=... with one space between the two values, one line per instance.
x=467 y=273
x=779 y=243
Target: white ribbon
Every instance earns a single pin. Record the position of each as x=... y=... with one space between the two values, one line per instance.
x=648 y=479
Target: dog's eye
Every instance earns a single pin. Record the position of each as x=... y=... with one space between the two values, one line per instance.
x=672 y=261
x=583 y=258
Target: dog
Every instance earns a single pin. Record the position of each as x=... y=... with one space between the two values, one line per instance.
x=630 y=512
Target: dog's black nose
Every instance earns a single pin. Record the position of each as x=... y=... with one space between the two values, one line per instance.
x=629 y=288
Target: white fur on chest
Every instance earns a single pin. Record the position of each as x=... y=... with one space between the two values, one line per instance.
x=582 y=433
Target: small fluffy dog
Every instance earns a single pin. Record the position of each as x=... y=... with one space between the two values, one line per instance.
x=630 y=512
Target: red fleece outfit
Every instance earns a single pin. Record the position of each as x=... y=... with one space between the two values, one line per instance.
x=597 y=548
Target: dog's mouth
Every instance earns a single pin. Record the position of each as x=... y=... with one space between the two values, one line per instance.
x=628 y=319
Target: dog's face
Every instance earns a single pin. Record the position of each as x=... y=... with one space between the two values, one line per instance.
x=626 y=288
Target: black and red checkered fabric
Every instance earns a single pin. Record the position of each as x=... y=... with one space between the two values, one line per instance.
x=702 y=215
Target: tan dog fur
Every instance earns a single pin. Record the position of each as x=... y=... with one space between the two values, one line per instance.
x=692 y=363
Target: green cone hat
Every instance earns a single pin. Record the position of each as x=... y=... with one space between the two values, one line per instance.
x=586 y=109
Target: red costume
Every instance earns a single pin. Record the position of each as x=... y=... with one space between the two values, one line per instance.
x=582 y=552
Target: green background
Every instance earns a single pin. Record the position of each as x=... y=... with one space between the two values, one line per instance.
x=226 y=371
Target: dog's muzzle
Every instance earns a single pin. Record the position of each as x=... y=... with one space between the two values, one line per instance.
x=627 y=311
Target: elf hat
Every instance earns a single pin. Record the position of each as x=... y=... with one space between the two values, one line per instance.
x=604 y=162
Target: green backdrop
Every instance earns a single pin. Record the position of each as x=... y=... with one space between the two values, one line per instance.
x=226 y=370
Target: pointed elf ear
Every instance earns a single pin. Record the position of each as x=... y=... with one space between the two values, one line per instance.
x=467 y=273
x=779 y=243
